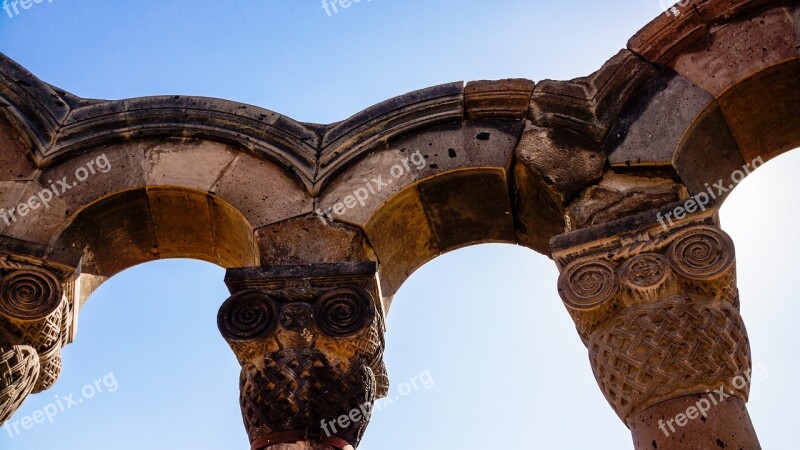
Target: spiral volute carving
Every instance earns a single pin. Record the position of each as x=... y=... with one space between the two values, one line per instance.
x=247 y=315
x=29 y=295
x=344 y=311
x=587 y=284
x=701 y=253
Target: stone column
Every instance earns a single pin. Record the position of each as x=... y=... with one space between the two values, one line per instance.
x=36 y=320
x=658 y=308
x=310 y=342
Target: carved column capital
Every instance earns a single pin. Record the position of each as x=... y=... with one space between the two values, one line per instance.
x=658 y=309
x=310 y=342
x=37 y=318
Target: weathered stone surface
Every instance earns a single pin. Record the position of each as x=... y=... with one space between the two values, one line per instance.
x=658 y=310
x=262 y=192
x=726 y=425
x=309 y=240
x=478 y=211
x=716 y=12
x=209 y=162
x=15 y=162
x=763 y=111
x=143 y=224
x=310 y=342
x=708 y=153
x=652 y=127
x=127 y=171
x=736 y=50
x=349 y=139
x=620 y=196
x=403 y=252
x=407 y=160
x=284 y=141
x=493 y=99
x=500 y=161
x=552 y=167
x=39 y=223
x=590 y=105
x=32 y=105
x=667 y=35
x=442 y=214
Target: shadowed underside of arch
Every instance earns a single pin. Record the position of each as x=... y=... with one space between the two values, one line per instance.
x=91 y=187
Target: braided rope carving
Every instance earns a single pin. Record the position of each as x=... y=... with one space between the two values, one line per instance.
x=647 y=354
x=33 y=318
x=660 y=319
x=309 y=354
x=19 y=368
x=298 y=389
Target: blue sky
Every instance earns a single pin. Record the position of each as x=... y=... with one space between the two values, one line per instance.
x=485 y=322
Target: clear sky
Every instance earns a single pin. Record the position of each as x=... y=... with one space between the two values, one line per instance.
x=485 y=324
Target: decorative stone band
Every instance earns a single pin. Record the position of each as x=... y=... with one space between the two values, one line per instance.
x=310 y=342
x=697 y=261
x=657 y=309
x=678 y=346
x=290 y=437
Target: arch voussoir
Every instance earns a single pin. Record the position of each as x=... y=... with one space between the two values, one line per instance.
x=610 y=175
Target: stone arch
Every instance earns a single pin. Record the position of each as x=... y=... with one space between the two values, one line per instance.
x=578 y=170
x=142 y=225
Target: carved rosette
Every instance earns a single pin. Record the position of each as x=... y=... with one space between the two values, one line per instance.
x=34 y=318
x=659 y=314
x=311 y=349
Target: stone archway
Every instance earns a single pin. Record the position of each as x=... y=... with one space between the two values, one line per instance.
x=617 y=176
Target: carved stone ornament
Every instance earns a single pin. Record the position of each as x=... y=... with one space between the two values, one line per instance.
x=310 y=342
x=36 y=319
x=658 y=310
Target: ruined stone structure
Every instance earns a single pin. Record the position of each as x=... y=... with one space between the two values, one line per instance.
x=615 y=176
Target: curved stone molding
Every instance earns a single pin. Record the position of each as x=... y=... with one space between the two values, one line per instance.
x=310 y=342
x=649 y=111
x=275 y=137
x=32 y=104
x=590 y=105
x=667 y=36
x=351 y=138
x=550 y=165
